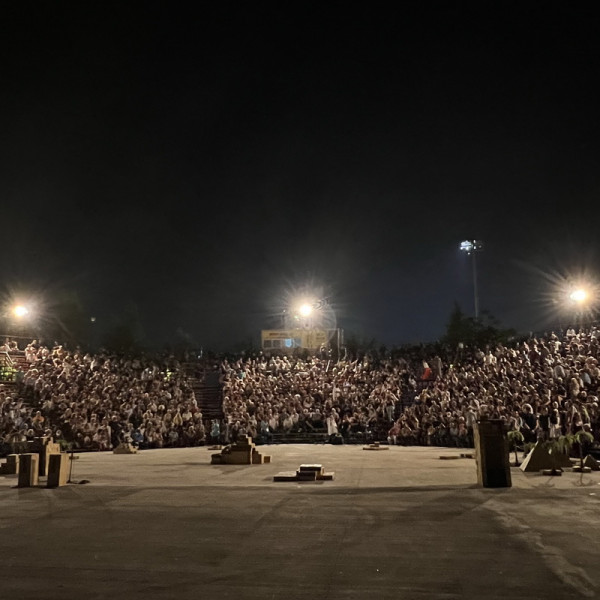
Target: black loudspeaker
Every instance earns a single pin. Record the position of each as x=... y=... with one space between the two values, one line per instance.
x=491 y=446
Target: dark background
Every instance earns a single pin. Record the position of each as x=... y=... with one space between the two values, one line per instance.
x=195 y=167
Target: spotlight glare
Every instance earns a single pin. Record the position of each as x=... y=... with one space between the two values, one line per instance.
x=578 y=296
x=305 y=310
x=20 y=311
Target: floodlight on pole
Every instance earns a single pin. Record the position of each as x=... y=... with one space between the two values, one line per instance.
x=471 y=247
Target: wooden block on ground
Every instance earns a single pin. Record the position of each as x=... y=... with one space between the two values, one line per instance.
x=579 y=469
x=49 y=449
x=285 y=476
x=308 y=468
x=28 y=470
x=244 y=440
x=125 y=448
x=237 y=458
x=309 y=473
x=551 y=472
x=591 y=462
x=240 y=454
x=375 y=447
x=58 y=470
x=260 y=459
x=257 y=458
x=11 y=466
x=449 y=457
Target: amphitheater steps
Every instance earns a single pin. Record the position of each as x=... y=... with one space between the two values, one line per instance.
x=299 y=438
x=209 y=399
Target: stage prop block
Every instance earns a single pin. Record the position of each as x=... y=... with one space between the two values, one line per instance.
x=58 y=470
x=11 y=466
x=28 y=470
x=491 y=447
x=543 y=457
x=305 y=473
x=125 y=448
x=45 y=447
x=580 y=469
x=243 y=452
x=375 y=446
x=286 y=476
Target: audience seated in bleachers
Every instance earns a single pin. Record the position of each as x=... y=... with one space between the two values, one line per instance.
x=544 y=387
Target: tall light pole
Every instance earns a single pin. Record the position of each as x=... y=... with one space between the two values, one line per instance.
x=472 y=247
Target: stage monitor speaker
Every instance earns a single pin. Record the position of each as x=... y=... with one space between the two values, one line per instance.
x=28 y=470
x=491 y=446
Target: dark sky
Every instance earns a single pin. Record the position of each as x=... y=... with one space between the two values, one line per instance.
x=196 y=164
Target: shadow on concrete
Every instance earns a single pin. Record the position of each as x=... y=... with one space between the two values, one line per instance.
x=337 y=491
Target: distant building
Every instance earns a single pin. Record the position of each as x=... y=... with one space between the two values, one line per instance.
x=286 y=340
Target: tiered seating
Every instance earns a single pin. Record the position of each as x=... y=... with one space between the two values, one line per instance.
x=208 y=392
x=19 y=360
x=8 y=370
x=11 y=365
x=300 y=437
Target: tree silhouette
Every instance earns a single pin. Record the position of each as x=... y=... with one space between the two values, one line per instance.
x=469 y=331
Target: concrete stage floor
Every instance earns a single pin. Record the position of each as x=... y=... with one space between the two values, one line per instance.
x=399 y=523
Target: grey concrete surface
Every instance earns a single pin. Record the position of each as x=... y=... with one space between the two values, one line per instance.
x=393 y=524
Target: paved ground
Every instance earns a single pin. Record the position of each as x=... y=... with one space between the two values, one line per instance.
x=394 y=524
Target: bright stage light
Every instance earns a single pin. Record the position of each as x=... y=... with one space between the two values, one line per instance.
x=305 y=310
x=578 y=296
x=20 y=311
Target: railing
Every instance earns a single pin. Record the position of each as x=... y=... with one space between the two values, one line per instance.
x=8 y=372
x=6 y=360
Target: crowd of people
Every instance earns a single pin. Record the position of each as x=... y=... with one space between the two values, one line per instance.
x=95 y=402
x=543 y=387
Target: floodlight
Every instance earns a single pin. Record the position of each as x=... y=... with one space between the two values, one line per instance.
x=20 y=311
x=470 y=246
x=305 y=310
x=579 y=296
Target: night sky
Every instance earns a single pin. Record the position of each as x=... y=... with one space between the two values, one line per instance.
x=196 y=165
